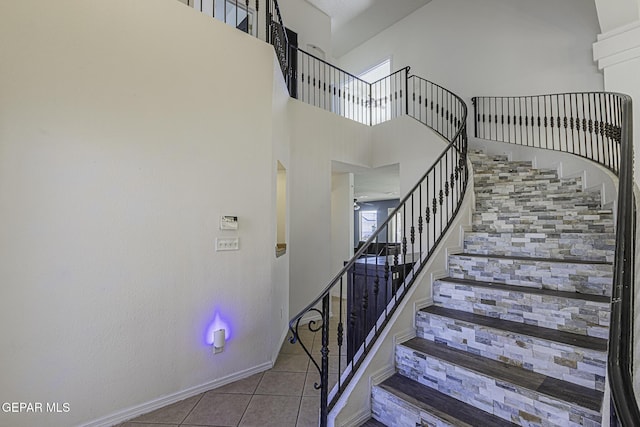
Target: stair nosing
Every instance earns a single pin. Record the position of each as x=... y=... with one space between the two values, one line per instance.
x=535 y=259
x=432 y=409
x=464 y=359
x=528 y=289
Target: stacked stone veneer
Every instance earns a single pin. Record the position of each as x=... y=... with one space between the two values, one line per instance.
x=539 y=255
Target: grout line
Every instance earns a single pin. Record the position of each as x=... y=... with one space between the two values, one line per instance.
x=194 y=407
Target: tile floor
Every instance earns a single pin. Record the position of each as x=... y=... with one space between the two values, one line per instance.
x=281 y=397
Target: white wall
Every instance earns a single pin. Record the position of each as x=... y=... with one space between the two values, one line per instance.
x=123 y=138
x=492 y=47
x=409 y=143
x=341 y=219
x=312 y=25
x=281 y=154
x=614 y=14
x=317 y=138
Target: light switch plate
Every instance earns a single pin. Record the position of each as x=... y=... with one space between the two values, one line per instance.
x=227 y=244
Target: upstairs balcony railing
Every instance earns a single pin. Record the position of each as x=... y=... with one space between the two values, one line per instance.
x=321 y=84
x=598 y=127
x=245 y=16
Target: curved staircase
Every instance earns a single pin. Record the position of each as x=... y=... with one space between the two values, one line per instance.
x=518 y=331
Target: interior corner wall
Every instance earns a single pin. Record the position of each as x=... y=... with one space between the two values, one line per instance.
x=126 y=131
x=492 y=47
x=415 y=152
x=281 y=150
x=317 y=138
x=342 y=225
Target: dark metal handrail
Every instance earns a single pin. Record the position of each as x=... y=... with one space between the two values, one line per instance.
x=323 y=85
x=597 y=126
x=376 y=279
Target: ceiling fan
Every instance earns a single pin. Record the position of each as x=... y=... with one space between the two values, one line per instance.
x=357 y=205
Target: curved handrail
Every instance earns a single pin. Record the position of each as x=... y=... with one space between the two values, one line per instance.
x=598 y=127
x=391 y=258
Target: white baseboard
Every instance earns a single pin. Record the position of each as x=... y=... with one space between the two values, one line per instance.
x=401 y=337
x=144 y=408
x=422 y=303
x=357 y=419
x=276 y=352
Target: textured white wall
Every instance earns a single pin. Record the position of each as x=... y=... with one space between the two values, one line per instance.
x=492 y=47
x=124 y=135
x=614 y=14
x=317 y=138
x=312 y=25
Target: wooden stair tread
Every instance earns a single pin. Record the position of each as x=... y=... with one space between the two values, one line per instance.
x=562 y=390
x=554 y=335
x=528 y=290
x=439 y=404
x=529 y=259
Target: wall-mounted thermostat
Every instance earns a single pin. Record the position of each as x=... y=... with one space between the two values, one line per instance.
x=228 y=222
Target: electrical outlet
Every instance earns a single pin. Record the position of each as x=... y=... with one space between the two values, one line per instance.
x=227 y=244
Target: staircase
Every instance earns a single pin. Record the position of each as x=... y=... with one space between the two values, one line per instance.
x=518 y=332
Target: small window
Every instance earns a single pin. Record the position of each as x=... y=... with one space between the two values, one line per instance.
x=377 y=72
x=368 y=224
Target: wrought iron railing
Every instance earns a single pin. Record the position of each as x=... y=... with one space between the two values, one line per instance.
x=326 y=86
x=355 y=306
x=245 y=16
x=597 y=126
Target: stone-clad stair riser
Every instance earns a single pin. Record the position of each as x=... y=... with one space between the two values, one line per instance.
x=570 y=276
x=507 y=334
x=588 y=316
x=510 y=401
x=576 y=220
x=582 y=366
x=556 y=245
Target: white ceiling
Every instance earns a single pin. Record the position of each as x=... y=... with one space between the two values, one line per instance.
x=355 y=21
x=371 y=184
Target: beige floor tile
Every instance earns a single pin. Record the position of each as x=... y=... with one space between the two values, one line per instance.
x=309 y=412
x=271 y=411
x=136 y=424
x=282 y=383
x=215 y=409
x=171 y=414
x=313 y=377
x=291 y=363
x=288 y=348
x=245 y=386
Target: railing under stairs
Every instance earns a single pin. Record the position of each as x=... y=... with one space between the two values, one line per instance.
x=596 y=126
x=352 y=310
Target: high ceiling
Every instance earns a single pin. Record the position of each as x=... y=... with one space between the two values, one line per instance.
x=354 y=21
